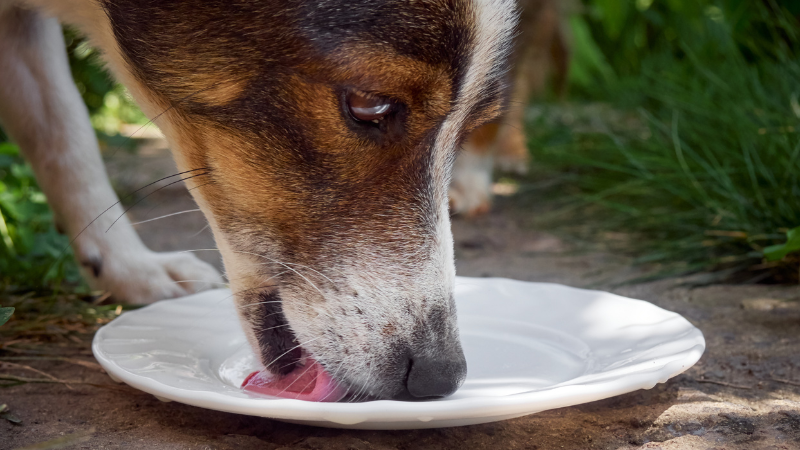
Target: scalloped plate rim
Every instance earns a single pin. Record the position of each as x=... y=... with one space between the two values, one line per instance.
x=388 y=414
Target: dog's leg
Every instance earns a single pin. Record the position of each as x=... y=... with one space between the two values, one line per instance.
x=512 y=146
x=540 y=50
x=471 y=188
x=41 y=109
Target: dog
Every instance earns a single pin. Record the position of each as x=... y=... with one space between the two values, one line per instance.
x=316 y=136
x=541 y=51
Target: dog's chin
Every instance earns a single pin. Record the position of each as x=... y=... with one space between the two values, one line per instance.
x=308 y=380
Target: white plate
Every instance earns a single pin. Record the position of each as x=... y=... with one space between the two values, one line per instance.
x=529 y=347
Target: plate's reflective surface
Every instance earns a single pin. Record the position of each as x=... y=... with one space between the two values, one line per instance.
x=529 y=347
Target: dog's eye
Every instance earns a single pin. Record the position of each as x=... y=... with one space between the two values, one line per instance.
x=367 y=107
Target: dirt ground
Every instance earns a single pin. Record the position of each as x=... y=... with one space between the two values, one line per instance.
x=743 y=394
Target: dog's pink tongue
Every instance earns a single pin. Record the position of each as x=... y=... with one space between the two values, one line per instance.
x=309 y=382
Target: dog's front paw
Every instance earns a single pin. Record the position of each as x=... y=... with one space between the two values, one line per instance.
x=471 y=188
x=145 y=277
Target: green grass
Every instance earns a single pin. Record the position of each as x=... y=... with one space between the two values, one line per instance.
x=696 y=157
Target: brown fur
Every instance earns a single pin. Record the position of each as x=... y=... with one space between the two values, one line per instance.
x=293 y=181
x=540 y=50
x=334 y=230
x=378 y=173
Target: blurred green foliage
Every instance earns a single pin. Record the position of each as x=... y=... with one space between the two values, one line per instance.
x=780 y=251
x=31 y=249
x=621 y=39
x=697 y=149
x=91 y=79
x=109 y=103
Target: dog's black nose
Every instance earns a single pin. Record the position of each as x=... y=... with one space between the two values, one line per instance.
x=436 y=377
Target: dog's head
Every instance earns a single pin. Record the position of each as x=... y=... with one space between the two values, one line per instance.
x=323 y=134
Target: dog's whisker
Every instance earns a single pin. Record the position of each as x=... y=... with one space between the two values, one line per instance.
x=360 y=394
x=299 y=265
x=263 y=286
x=293 y=348
x=225 y=275
x=325 y=313
x=273 y=261
x=158 y=116
x=302 y=266
x=298 y=273
x=314 y=270
x=167 y=215
x=251 y=276
x=198 y=186
x=200 y=281
x=151 y=193
x=334 y=375
x=274 y=276
x=307 y=384
x=276 y=326
x=273 y=314
x=286 y=365
x=339 y=366
x=259 y=303
x=329 y=393
x=260 y=287
x=74 y=238
x=367 y=384
x=201 y=230
x=295 y=381
x=354 y=395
